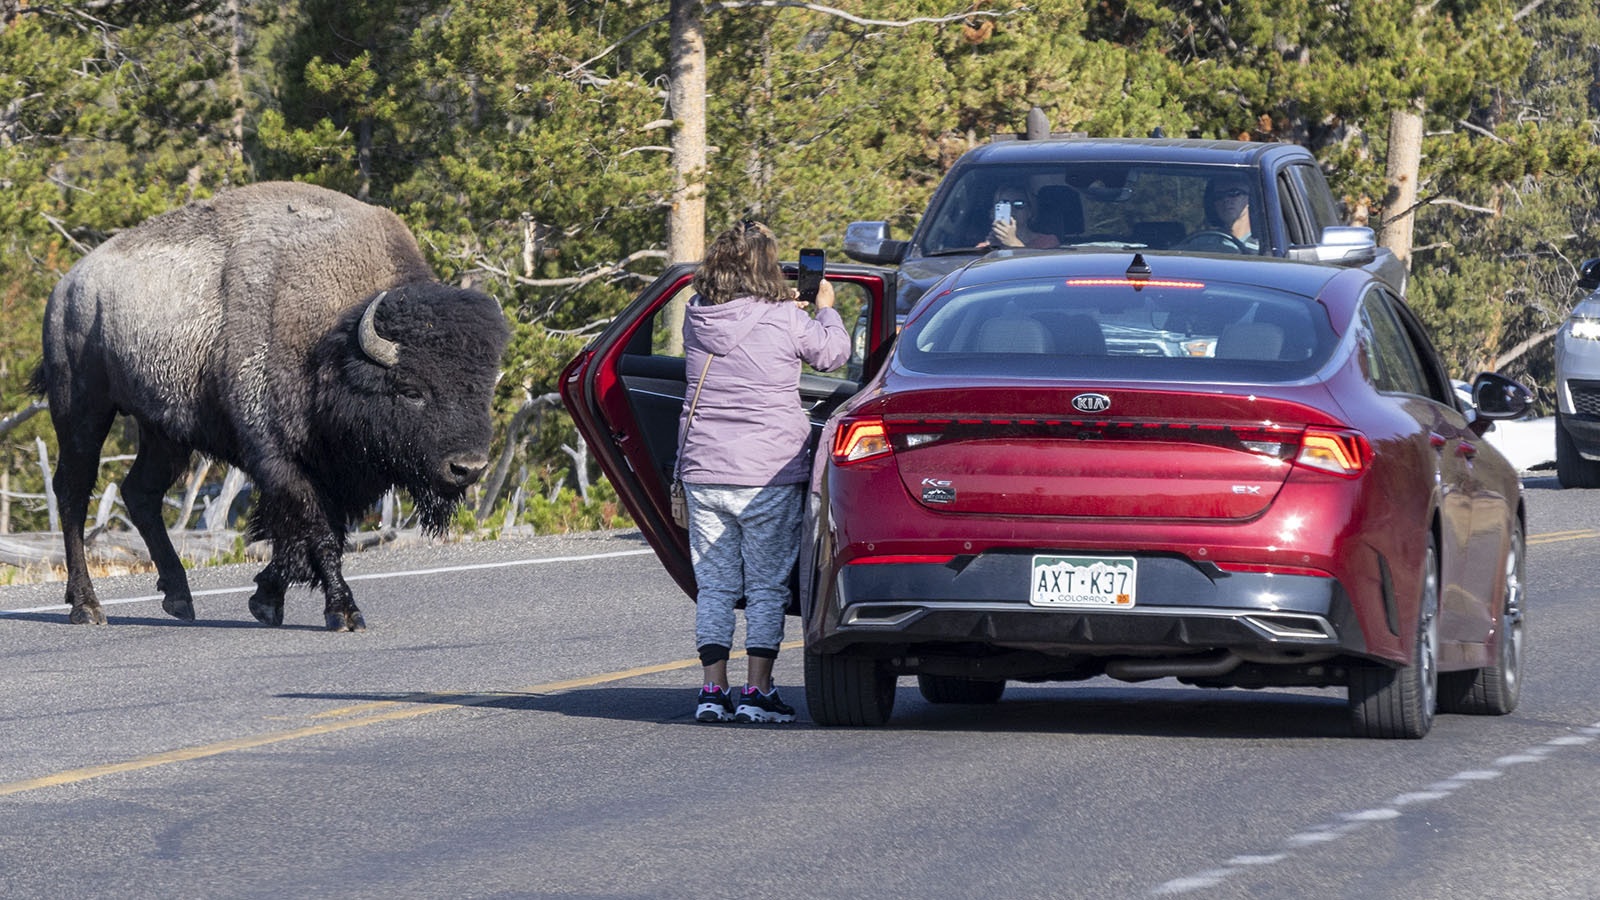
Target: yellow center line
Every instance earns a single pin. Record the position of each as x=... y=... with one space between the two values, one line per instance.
x=408 y=710
x=1552 y=537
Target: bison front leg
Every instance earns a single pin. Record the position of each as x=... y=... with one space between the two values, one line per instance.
x=340 y=611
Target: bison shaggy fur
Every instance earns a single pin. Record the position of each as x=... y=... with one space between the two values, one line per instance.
x=285 y=329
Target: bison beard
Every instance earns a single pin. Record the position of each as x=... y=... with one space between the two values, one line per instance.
x=290 y=331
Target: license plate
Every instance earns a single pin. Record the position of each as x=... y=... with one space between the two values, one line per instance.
x=1084 y=582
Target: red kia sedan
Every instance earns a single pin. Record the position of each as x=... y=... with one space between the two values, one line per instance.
x=1234 y=472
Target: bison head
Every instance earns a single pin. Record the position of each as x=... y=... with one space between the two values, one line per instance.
x=404 y=385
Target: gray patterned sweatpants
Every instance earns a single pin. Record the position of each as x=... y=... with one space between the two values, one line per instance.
x=743 y=542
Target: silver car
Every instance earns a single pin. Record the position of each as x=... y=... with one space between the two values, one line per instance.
x=1578 y=387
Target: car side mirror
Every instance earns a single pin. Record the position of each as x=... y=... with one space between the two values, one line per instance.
x=869 y=242
x=1589 y=274
x=1497 y=397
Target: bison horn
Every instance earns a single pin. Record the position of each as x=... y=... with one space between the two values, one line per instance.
x=383 y=351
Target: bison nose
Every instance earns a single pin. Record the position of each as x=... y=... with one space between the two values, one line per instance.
x=465 y=468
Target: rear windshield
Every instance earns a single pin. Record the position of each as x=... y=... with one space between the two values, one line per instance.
x=1108 y=328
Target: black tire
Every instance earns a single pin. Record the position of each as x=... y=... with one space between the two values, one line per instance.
x=1494 y=690
x=848 y=690
x=950 y=689
x=1572 y=470
x=1400 y=703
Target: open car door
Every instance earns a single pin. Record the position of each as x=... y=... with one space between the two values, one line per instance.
x=625 y=392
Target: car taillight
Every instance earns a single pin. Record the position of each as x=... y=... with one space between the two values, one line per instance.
x=859 y=439
x=1340 y=452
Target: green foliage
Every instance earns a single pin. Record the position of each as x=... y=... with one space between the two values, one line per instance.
x=568 y=512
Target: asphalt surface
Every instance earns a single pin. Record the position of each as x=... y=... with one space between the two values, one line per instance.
x=517 y=722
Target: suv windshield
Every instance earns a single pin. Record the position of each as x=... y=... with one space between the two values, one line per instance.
x=1098 y=204
x=1118 y=329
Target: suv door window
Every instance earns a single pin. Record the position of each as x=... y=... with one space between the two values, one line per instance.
x=1319 y=205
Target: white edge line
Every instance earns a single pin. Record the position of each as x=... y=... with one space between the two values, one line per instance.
x=412 y=573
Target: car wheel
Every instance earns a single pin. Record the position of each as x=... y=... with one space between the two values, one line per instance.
x=949 y=689
x=848 y=690
x=1400 y=703
x=1493 y=690
x=1572 y=470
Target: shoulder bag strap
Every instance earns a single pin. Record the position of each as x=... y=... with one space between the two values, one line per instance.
x=683 y=435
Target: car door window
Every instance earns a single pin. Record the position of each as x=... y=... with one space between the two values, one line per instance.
x=1392 y=361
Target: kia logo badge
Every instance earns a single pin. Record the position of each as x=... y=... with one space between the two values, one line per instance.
x=1091 y=403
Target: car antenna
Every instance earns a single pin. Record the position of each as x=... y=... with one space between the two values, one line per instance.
x=1138 y=269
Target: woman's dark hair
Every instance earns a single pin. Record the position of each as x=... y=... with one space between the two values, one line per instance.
x=742 y=262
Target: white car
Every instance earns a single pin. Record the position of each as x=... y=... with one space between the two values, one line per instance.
x=1578 y=387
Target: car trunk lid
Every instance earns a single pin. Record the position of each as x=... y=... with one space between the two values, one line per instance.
x=1162 y=455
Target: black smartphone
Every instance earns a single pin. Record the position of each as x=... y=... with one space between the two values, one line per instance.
x=812 y=263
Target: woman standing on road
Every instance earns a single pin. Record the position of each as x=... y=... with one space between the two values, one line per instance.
x=744 y=460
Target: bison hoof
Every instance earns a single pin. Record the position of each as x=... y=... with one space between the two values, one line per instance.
x=266 y=613
x=179 y=608
x=346 y=621
x=86 y=615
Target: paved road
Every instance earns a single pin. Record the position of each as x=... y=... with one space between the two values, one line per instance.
x=516 y=723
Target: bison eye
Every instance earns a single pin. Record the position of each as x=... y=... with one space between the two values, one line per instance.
x=411 y=396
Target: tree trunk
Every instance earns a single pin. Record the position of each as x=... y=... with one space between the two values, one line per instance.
x=1404 y=164
x=686 y=215
x=49 y=489
x=191 y=491
x=236 y=78
x=215 y=518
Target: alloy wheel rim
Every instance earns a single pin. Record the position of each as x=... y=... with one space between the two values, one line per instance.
x=1511 y=618
x=1428 y=637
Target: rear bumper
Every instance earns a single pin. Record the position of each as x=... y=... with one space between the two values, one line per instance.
x=1183 y=608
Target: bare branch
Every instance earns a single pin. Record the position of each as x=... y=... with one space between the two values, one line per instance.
x=632 y=150
x=795 y=4
x=613 y=48
x=56 y=224
x=849 y=17
x=11 y=422
x=1526 y=11
x=1510 y=356
x=573 y=332
x=575 y=280
x=1483 y=131
x=1451 y=201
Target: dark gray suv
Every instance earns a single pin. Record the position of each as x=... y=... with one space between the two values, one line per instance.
x=1125 y=193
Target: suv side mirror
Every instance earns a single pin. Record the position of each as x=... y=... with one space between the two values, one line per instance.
x=1350 y=244
x=869 y=242
x=1589 y=274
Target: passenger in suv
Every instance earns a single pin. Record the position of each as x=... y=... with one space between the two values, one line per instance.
x=1015 y=215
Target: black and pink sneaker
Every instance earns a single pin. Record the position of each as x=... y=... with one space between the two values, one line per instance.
x=716 y=705
x=755 y=706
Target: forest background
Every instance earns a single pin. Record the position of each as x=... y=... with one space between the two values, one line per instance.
x=530 y=144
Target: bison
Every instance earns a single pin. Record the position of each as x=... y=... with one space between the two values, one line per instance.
x=293 y=332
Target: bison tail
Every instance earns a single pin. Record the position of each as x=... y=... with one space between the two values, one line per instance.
x=36 y=384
